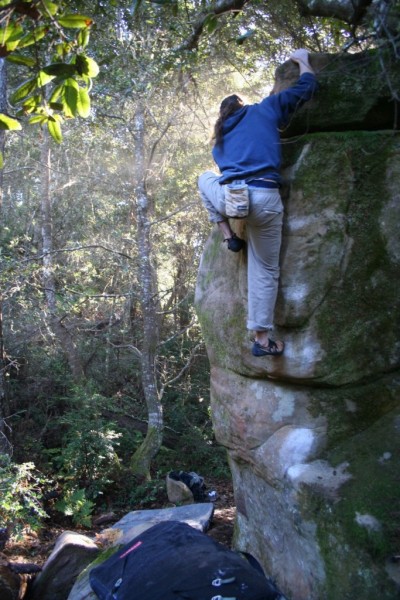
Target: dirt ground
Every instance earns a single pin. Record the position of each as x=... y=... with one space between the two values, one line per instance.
x=35 y=548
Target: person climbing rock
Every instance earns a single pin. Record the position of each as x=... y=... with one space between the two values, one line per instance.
x=248 y=154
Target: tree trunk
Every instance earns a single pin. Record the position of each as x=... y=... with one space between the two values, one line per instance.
x=142 y=458
x=4 y=444
x=55 y=321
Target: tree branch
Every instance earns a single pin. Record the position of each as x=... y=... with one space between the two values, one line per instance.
x=135 y=350
x=220 y=7
x=76 y=248
x=350 y=11
x=181 y=372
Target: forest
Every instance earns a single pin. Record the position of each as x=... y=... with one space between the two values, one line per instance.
x=107 y=109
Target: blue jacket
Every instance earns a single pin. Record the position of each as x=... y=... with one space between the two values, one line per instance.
x=251 y=141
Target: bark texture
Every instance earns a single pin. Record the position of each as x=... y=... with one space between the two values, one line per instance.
x=148 y=299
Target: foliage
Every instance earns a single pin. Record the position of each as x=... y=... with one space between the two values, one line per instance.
x=76 y=505
x=21 y=492
x=87 y=458
x=148 y=493
x=51 y=42
x=202 y=454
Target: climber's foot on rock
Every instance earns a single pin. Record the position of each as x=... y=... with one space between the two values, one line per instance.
x=271 y=349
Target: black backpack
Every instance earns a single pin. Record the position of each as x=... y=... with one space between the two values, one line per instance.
x=194 y=482
x=173 y=561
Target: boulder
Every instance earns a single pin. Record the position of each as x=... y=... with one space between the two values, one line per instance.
x=312 y=435
x=71 y=554
x=357 y=92
x=10 y=582
x=132 y=525
x=178 y=492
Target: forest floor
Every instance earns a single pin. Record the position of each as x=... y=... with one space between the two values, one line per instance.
x=36 y=547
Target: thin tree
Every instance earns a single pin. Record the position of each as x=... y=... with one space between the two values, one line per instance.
x=3 y=105
x=55 y=318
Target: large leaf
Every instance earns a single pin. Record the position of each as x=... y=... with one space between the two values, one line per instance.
x=56 y=93
x=24 y=90
x=38 y=119
x=9 y=123
x=21 y=60
x=50 y=8
x=54 y=128
x=83 y=37
x=11 y=32
x=10 y=38
x=31 y=104
x=83 y=103
x=56 y=106
x=33 y=37
x=70 y=96
x=211 y=23
x=44 y=78
x=75 y=21
x=87 y=66
x=11 y=46
x=62 y=70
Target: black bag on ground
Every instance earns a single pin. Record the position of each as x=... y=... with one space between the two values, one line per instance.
x=172 y=561
x=194 y=482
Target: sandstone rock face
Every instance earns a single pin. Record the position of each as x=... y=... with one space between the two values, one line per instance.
x=313 y=437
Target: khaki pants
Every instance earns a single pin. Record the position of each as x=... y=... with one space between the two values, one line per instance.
x=264 y=233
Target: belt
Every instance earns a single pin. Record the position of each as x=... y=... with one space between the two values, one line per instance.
x=263 y=183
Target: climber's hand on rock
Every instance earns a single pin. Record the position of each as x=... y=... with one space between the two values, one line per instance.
x=300 y=57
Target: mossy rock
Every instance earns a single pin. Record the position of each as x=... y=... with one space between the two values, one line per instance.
x=356 y=92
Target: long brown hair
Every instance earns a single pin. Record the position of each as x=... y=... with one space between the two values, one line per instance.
x=228 y=106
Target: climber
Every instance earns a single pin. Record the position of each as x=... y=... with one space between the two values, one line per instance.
x=248 y=155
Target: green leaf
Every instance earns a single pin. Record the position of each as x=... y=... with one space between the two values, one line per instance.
x=1 y=160
x=83 y=37
x=63 y=49
x=21 y=60
x=75 y=21
x=87 y=66
x=23 y=90
x=43 y=78
x=31 y=104
x=83 y=103
x=11 y=46
x=54 y=128
x=9 y=123
x=56 y=93
x=61 y=69
x=37 y=119
x=33 y=37
x=71 y=97
x=51 y=8
x=10 y=33
x=56 y=106
x=211 y=23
